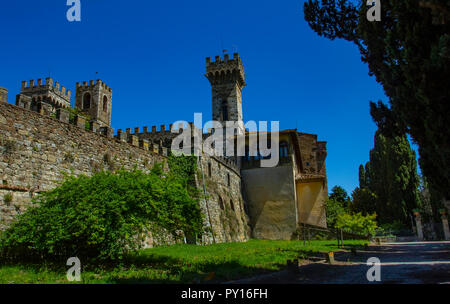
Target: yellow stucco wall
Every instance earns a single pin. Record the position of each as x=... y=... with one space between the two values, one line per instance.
x=311 y=203
x=270 y=193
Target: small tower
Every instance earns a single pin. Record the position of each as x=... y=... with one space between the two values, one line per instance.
x=95 y=100
x=34 y=94
x=227 y=79
x=3 y=94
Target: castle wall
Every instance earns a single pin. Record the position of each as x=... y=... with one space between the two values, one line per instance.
x=224 y=204
x=272 y=211
x=37 y=150
x=3 y=94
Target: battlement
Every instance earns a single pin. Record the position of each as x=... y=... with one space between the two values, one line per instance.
x=229 y=163
x=225 y=70
x=163 y=129
x=79 y=121
x=3 y=94
x=225 y=62
x=162 y=137
x=93 y=84
x=37 y=86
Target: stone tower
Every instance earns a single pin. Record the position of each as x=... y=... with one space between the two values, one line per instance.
x=3 y=94
x=37 y=95
x=95 y=100
x=227 y=79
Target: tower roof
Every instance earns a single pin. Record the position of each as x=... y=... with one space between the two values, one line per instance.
x=225 y=70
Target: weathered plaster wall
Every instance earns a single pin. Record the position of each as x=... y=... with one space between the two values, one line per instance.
x=311 y=198
x=272 y=194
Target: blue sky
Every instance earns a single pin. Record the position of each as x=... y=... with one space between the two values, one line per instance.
x=152 y=53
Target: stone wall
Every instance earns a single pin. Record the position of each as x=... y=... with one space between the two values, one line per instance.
x=313 y=154
x=3 y=94
x=224 y=204
x=36 y=151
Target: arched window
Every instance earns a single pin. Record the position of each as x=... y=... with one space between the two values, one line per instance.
x=224 y=111
x=232 y=205
x=105 y=103
x=220 y=203
x=86 y=101
x=284 y=149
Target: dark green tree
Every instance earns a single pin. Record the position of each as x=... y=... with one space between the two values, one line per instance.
x=390 y=186
x=364 y=201
x=408 y=52
x=337 y=203
x=362 y=176
x=339 y=194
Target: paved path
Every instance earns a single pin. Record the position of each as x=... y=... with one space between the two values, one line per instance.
x=401 y=263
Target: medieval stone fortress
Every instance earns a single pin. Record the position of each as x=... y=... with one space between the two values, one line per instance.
x=42 y=138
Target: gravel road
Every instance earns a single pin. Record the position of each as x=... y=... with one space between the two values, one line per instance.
x=401 y=263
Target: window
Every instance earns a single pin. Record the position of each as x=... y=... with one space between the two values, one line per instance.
x=228 y=180
x=105 y=103
x=224 y=111
x=209 y=170
x=284 y=149
x=220 y=203
x=232 y=205
x=247 y=153
x=86 y=101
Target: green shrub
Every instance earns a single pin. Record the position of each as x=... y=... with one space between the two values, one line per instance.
x=7 y=198
x=100 y=217
x=334 y=207
x=357 y=223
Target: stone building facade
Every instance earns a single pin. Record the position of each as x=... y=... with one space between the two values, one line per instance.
x=41 y=141
x=95 y=100
x=3 y=95
x=48 y=96
x=227 y=79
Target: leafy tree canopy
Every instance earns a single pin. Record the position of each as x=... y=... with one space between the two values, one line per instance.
x=408 y=52
x=339 y=194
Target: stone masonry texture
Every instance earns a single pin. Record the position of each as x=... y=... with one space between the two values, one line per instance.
x=37 y=150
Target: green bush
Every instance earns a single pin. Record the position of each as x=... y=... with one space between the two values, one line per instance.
x=333 y=209
x=357 y=223
x=8 y=198
x=101 y=217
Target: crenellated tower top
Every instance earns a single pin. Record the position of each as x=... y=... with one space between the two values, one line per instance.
x=95 y=99
x=225 y=71
x=227 y=79
x=48 y=92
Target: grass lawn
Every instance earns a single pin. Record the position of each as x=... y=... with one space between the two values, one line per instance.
x=181 y=263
